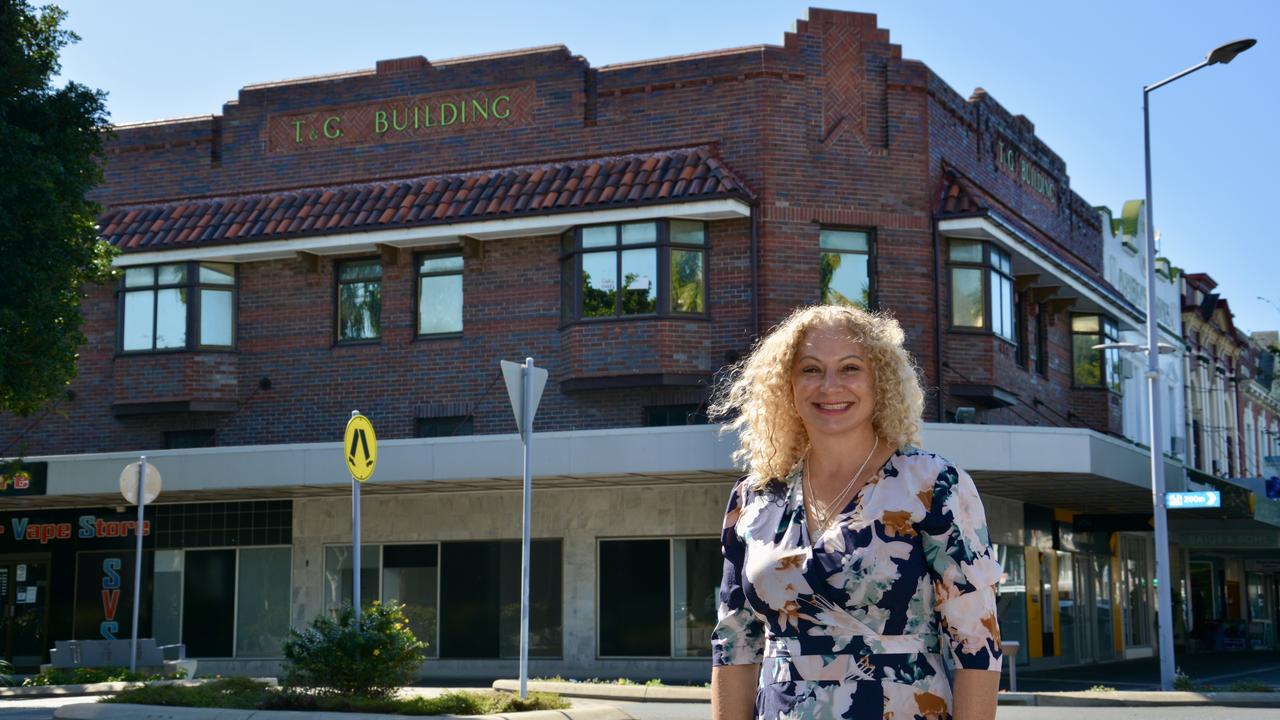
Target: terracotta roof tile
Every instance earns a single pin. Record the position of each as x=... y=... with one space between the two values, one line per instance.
x=673 y=175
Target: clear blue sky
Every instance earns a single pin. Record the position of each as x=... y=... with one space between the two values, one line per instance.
x=1076 y=69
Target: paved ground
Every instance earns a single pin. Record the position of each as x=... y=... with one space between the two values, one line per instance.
x=1218 y=669
x=39 y=709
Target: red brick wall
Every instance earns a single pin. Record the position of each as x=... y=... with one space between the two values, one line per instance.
x=833 y=128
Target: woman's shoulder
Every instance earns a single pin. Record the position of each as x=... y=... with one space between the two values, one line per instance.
x=749 y=489
x=917 y=463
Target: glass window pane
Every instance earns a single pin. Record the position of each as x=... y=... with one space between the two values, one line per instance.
x=1001 y=305
x=208 y=602
x=172 y=274
x=688 y=232
x=360 y=270
x=217 y=274
x=1084 y=323
x=339 y=571
x=545 y=610
x=599 y=236
x=688 y=283
x=1000 y=260
x=410 y=576
x=843 y=240
x=567 y=309
x=966 y=251
x=599 y=284
x=440 y=264
x=846 y=279
x=171 y=318
x=139 y=276
x=1086 y=362
x=480 y=599
x=166 y=599
x=262 y=609
x=359 y=310
x=1011 y=598
x=139 y=309
x=635 y=598
x=216 y=317
x=636 y=233
x=696 y=575
x=1109 y=330
x=640 y=281
x=440 y=305
x=966 y=297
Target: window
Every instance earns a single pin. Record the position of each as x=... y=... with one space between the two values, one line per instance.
x=1042 y=340
x=665 y=415
x=1019 y=319
x=461 y=598
x=359 y=300
x=231 y=602
x=982 y=288
x=444 y=426
x=440 y=294
x=1095 y=368
x=657 y=597
x=846 y=267
x=649 y=268
x=177 y=306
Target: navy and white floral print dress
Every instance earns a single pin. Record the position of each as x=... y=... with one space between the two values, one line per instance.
x=853 y=624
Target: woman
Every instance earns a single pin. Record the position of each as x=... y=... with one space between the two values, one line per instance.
x=853 y=560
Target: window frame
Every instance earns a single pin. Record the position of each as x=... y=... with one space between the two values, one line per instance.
x=872 y=258
x=987 y=267
x=433 y=650
x=1108 y=332
x=418 y=259
x=193 y=286
x=671 y=599
x=337 y=300
x=1042 y=340
x=571 y=253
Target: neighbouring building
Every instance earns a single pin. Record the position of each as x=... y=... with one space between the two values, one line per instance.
x=378 y=240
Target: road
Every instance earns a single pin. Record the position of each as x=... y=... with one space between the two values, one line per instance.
x=42 y=709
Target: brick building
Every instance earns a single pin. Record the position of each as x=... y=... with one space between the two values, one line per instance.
x=378 y=240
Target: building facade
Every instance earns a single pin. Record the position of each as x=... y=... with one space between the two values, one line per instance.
x=379 y=240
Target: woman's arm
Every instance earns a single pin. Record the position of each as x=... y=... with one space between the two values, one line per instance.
x=973 y=696
x=733 y=692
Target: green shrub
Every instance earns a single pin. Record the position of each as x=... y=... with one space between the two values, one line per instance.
x=87 y=676
x=6 y=673
x=1250 y=685
x=1182 y=682
x=369 y=657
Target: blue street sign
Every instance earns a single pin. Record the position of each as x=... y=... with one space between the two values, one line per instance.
x=1182 y=500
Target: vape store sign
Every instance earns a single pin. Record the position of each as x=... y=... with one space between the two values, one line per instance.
x=104 y=589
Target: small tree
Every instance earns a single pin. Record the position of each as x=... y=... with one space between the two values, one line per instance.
x=371 y=656
x=50 y=140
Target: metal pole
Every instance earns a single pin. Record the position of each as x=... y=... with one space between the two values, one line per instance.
x=355 y=539
x=137 y=568
x=1164 y=606
x=526 y=432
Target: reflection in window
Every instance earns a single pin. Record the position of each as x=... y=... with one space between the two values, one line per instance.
x=658 y=596
x=1090 y=367
x=846 y=267
x=410 y=576
x=359 y=300
x=262 y=603
x=639 y=268
x=440 y=295
x=339 y=571
x=982 y=288
x=156 y=306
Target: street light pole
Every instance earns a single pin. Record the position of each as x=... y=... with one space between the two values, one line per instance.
x=1164 y=604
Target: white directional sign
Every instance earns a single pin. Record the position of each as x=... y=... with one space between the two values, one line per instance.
x=129 y=483
x=513 y=374
x=1183 y=500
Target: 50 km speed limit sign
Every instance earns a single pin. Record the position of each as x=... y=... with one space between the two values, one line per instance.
x=361 y=447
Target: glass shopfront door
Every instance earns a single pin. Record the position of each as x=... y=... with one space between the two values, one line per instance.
x=24 y=610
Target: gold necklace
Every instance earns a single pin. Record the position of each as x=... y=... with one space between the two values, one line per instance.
x=822 y=511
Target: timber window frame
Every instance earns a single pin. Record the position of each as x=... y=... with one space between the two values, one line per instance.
x=201 y=297
x=987 y=270
x=836 y=246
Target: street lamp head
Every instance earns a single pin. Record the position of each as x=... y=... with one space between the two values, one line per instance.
x=1226 y=53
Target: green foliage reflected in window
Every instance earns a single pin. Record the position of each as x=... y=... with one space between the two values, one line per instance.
x=359 y=300
x=634 y=269
x=845 y=267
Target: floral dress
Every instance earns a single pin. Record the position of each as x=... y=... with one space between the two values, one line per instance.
x=854 y=624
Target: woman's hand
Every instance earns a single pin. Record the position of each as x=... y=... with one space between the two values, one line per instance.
x=973 y=697
x=733 y=692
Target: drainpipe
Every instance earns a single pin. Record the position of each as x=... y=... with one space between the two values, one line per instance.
x=755 y=271
x=937 y=314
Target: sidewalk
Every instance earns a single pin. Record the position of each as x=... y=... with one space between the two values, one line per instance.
x=1218 y=669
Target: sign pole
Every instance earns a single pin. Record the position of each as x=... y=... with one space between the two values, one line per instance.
x=137 y=568
x=526 y=432
x=355 y=537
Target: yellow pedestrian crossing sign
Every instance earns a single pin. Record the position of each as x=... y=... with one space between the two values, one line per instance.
x=361 y=447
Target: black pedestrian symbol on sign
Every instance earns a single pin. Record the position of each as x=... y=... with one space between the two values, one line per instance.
x=360 y=442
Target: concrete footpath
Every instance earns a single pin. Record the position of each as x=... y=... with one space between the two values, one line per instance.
x=1117 y=698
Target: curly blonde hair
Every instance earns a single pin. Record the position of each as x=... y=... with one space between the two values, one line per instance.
x=758 y=401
